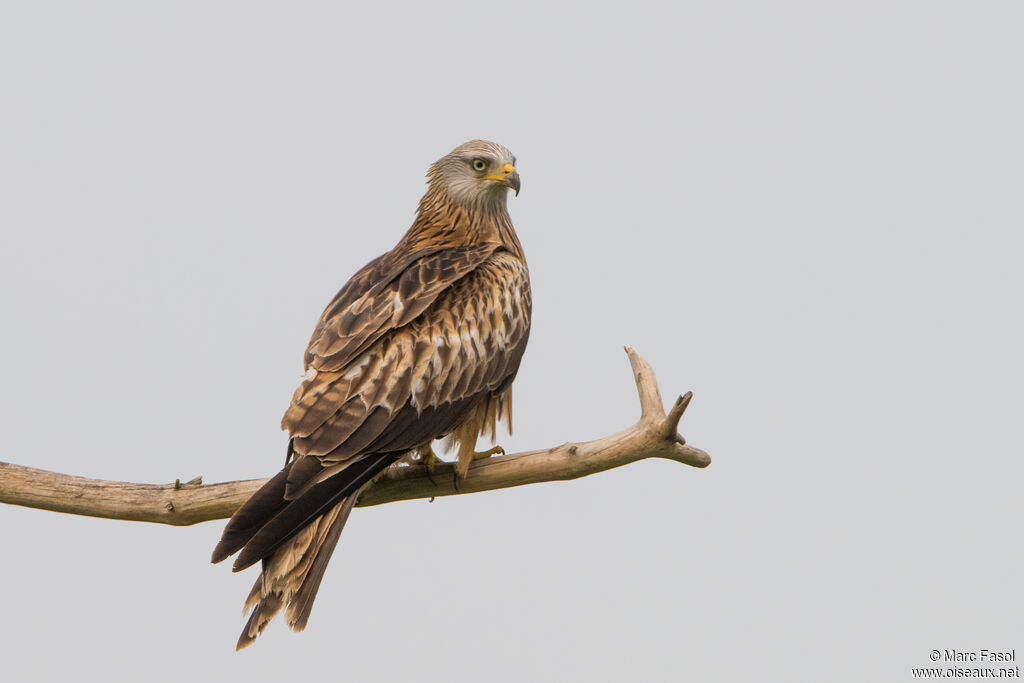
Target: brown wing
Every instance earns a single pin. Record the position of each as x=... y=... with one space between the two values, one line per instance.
x=387 y=293
x=415 y=383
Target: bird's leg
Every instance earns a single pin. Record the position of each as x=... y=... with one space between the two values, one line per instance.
x=428 y=459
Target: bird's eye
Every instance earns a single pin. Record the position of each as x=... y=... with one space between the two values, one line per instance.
x=479 y=164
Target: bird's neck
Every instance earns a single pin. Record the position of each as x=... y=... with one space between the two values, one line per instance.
x=441 y=221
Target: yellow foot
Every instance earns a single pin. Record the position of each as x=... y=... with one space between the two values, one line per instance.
x=497 y=450
x=462 y=466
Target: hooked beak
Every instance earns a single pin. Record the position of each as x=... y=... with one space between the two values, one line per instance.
x=512 y=181
x=508 y=177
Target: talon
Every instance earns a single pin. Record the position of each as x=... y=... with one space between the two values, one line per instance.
x=429 y=460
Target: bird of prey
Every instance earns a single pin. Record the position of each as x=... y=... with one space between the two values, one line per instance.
x=422 y=343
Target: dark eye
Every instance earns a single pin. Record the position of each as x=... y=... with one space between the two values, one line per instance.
x=479 y=164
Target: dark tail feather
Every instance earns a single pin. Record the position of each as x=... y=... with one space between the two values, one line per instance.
x=262 y=506
x=293 y=516
x=254 y=513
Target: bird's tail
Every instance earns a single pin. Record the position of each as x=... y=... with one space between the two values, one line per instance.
x=292 y=523
x=291 y=575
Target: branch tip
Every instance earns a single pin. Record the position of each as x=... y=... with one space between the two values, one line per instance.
x=676 y=413
x=688 y=455
x=646 y=387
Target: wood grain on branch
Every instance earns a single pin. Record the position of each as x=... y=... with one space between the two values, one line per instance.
x=653 y=436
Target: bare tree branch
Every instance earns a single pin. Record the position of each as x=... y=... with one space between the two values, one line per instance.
x=653 y=436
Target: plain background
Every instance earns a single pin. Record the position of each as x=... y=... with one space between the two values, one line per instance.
x=809 y=214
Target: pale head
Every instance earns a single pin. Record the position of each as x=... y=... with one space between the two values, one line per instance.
x=476 y=174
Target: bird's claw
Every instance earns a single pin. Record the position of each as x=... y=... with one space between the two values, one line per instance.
x=429 y=460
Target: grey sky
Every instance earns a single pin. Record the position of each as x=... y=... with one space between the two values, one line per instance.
x=807 y=213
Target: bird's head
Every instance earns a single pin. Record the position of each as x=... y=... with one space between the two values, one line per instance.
x=476 y=174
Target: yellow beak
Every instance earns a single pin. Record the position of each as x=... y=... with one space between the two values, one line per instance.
x=508 y=177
